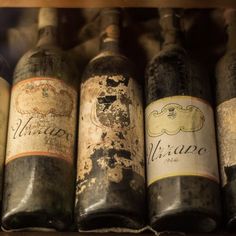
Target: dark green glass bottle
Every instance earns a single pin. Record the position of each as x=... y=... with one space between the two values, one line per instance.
x=182 y=168
x=4 y=111
x=39 y=176
x=110 y=189
x=226 y=118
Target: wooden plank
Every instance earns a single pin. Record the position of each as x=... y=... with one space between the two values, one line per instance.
x=119 y=3
x=102 y=234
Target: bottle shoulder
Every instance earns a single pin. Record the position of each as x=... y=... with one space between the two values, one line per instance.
x=225 y=69
x=110 y=65
x=226 y=60
x=38 y=54
x=225 y=74
x=45 y=62
x=107 y=53
x=4 y=69
x=110 y=57
x=174 y=72
x=169 y=52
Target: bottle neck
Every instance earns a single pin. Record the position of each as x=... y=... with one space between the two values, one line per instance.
x=230 y=19
x=110 y=30
x=48 y=27
x=170 y=24
x=47 y=36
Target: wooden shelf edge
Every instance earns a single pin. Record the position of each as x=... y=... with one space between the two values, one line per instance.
x=120 y=3
x=102 y=234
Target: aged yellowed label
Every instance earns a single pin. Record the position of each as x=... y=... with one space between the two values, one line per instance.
x=4 y=110
x=42 y=119
x=180 y=139
x=111 y=137
x=226 y=127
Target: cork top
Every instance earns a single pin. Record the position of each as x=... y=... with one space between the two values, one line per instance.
x=166 y=12
x=48 y=17
x=110 y=16
x=230 y=22
x=169 y=17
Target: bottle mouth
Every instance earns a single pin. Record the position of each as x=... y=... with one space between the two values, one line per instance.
x=110 y=27
x=114 y=10
x=170 y=12
x=110 y=17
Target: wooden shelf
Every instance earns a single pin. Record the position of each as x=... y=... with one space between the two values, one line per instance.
x=102 y=234
x=112 y=3
x=119 y=3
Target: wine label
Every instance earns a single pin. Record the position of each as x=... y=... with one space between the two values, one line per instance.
x=111 y=137
x=180 y=139
x=226 y=125
x=4 y=110
x=42 y=119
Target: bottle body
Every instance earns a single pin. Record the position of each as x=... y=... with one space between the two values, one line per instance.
x=110 y=188
x=4 y=112
x=39 y=176
x=182 y=168
x=225 y=113
x=226 y=116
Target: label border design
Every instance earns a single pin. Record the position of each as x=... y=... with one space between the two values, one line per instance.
x=14 y=86
x=46 y=154
x=191 y=101
x=181 y=97
x=185 y=174
x=68 y=159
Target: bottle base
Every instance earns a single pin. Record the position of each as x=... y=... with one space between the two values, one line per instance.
x=37 y=221
x=105 y=220
x=231 y=224
x=185 y=221
x=229 y=202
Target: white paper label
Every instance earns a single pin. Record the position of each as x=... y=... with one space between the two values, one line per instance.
x=180 y=139
x=226 y=125
x=111 y=137
x=42 y=119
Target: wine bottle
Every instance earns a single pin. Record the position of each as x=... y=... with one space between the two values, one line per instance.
x=4 y=110
x=39 y=176
x=182 y=167
x=110 y=190
x=226 y=118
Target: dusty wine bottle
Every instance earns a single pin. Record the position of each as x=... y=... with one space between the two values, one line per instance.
x=4 y=110
x=110 y=189
x=39 y=176
x=226 y=118
x=182 y=167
